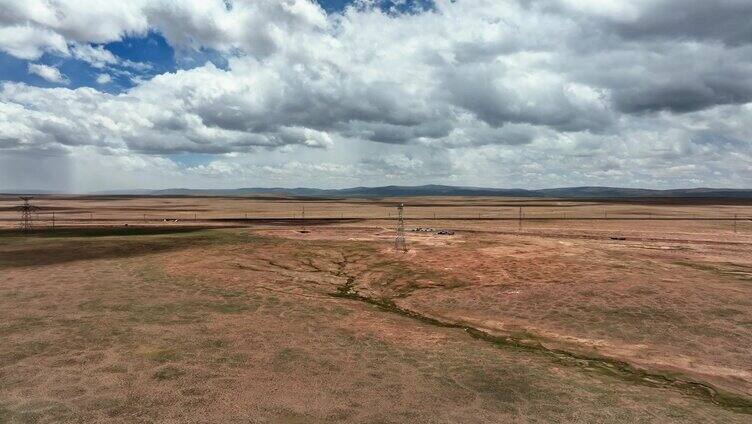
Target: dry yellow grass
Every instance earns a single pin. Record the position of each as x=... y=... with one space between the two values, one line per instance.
x=554 y=322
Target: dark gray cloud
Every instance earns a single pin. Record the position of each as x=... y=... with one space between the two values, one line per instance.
x=683 y=96
x=667 y=77
x=727 y=21
x=535 y=98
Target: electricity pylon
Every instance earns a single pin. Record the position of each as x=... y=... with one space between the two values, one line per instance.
x=399 y=241
x=26 y=210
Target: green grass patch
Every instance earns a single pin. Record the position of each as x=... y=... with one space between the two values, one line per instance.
x=96 y=243
x=163 y=355
x=727 y=269
x=108 y=231
x=168 y=373
x=215 y=344
x=153 y=274
x=5 y=413
x=168 y=313
x=286 y=359
x=114 y=369
x=725 y=312
x=228 y=307
x=21 y=325
x=19 y=352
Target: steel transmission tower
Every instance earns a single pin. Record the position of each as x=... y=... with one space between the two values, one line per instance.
x=26 y=210
x=399 y=241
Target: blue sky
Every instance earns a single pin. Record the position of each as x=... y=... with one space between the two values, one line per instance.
x=157 y=57
x=333 y=5
x=152 y=50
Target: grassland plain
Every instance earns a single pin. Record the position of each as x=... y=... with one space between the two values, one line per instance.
x=265 y=325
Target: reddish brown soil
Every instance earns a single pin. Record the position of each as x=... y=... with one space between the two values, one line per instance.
x=265 y=323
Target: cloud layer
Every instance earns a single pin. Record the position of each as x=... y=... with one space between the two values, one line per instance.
x=488 y=92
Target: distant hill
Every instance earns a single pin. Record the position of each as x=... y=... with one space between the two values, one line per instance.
x=430 y=190
x=444 y=190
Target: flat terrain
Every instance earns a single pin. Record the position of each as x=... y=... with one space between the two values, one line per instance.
x=137 y=309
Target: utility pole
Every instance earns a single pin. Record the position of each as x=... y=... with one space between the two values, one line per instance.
x=53 y=220
x=399 y=240
x=520 y=218
x=734 y=223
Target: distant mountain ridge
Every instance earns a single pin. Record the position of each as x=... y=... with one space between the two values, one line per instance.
x=587 y=192
x=445 y=190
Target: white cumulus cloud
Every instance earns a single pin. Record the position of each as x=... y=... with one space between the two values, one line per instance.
x=103 y=78
x=49 y=73
x=485 y=92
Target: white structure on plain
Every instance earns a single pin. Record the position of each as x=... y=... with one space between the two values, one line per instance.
x=399 y=240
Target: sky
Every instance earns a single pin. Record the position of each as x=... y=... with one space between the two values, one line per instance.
x=100 y=95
